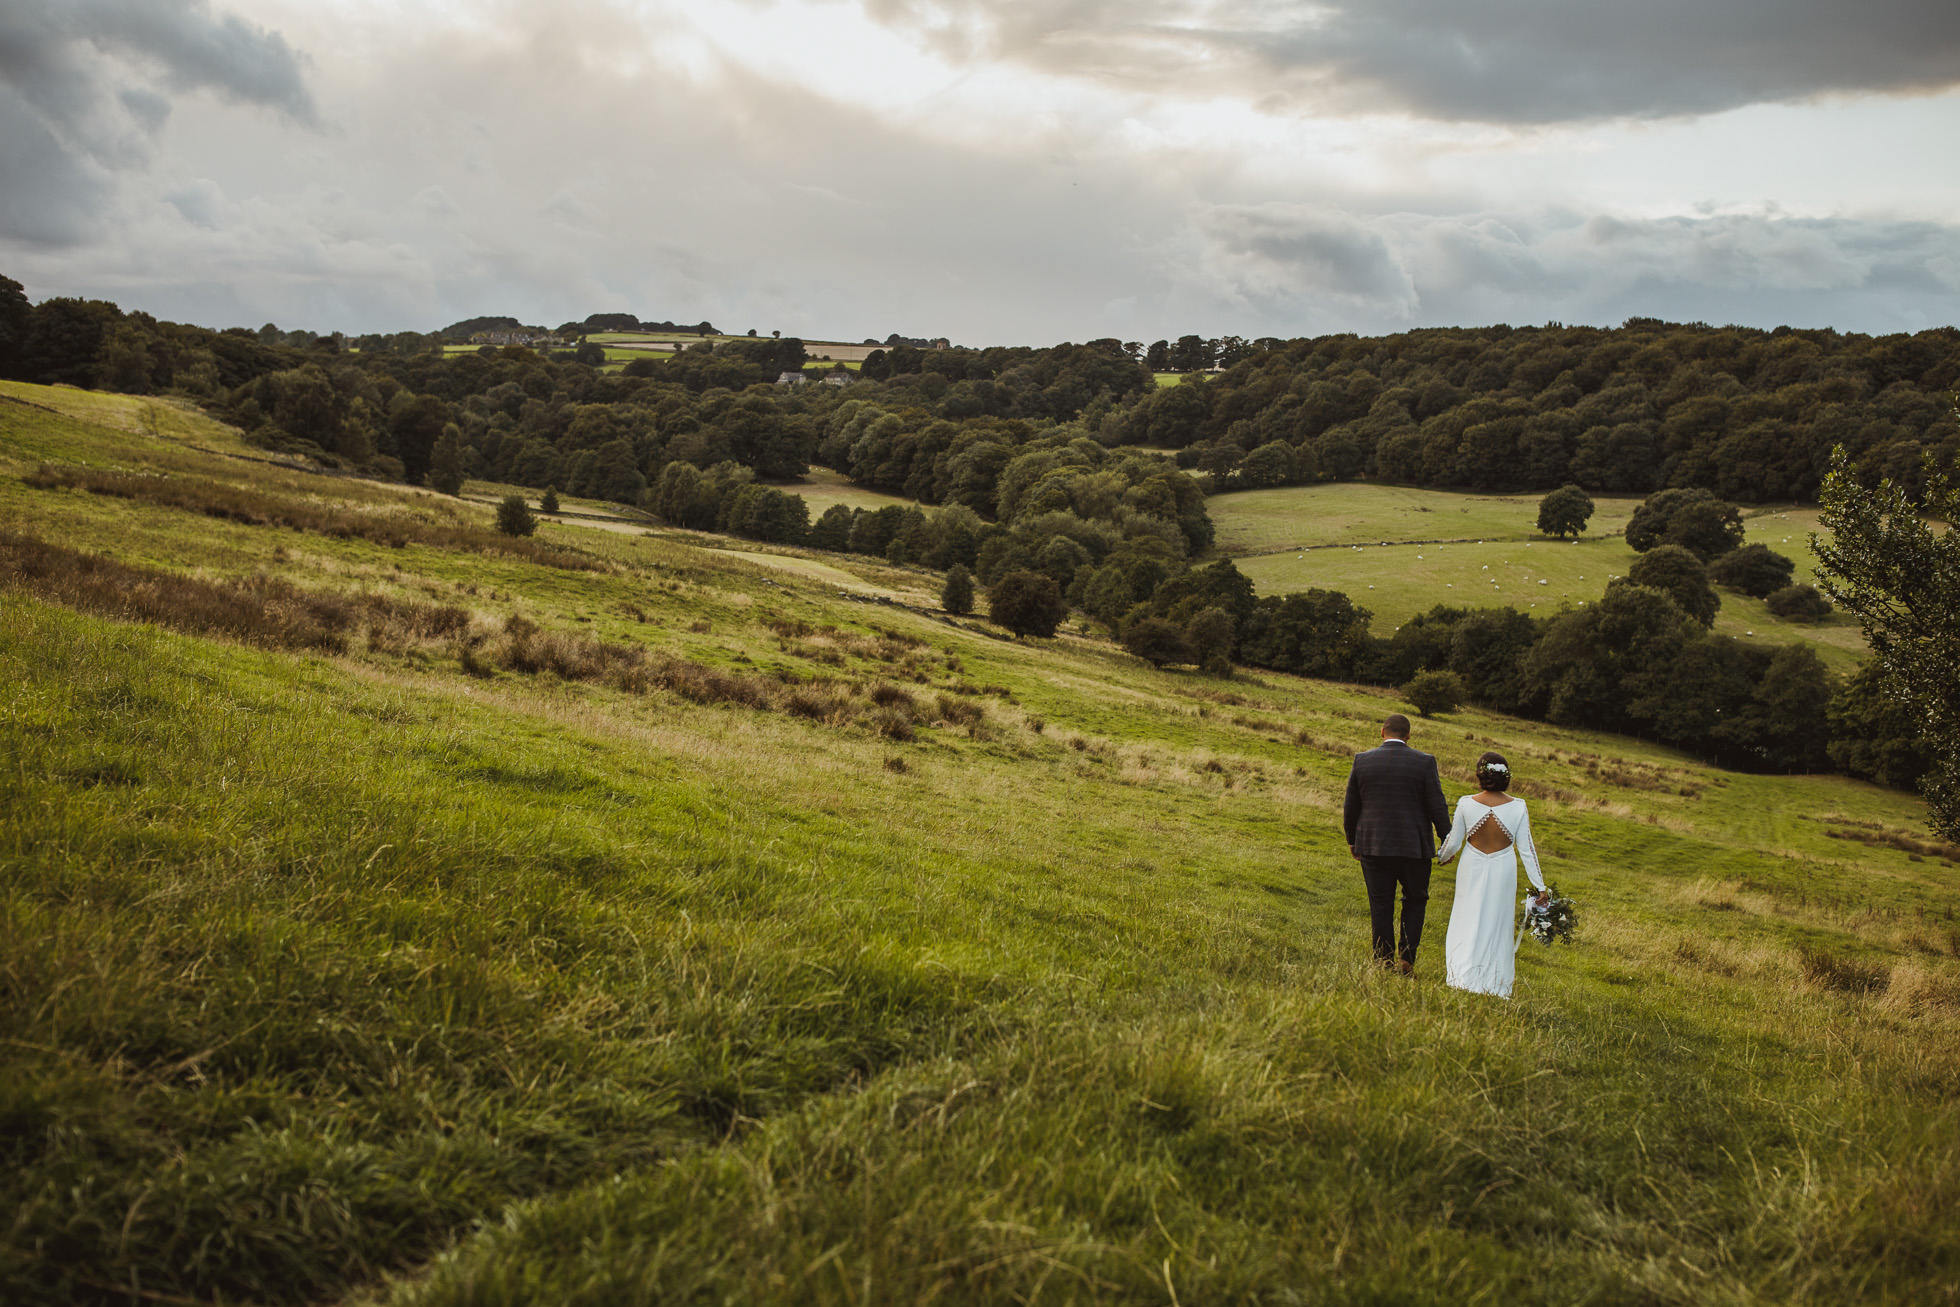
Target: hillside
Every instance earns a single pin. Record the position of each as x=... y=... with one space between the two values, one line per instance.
x=398 y=912
x=1400 y=550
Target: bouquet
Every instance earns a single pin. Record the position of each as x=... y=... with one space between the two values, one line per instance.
x=1554 y=919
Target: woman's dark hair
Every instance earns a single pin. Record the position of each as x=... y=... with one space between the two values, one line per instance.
x=1493 y=773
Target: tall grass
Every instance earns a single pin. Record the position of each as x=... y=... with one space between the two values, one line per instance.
x=483 y=965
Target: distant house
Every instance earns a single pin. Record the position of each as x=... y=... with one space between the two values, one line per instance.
x=839 y=378
x=791 y=379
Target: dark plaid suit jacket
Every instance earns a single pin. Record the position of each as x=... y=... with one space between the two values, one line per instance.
x=1394 y=806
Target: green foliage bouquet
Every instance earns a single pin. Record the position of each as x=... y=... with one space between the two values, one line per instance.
x=1554 y=919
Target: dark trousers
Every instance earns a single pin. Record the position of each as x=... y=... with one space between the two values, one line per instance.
x=1382 y=876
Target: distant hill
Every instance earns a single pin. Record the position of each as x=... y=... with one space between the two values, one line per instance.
x=470 y=326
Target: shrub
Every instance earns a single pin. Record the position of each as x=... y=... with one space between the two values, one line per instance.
x=1756 y=570
x=549 y=504
x=1026 y=603
x=957 y=597
x=1800 y=603
x=1434 y=692
x=1158 y=642
x=514 y=517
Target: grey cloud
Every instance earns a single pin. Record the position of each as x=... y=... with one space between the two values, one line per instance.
x=85 y=85
x=1278 y=262
x=1521 y=61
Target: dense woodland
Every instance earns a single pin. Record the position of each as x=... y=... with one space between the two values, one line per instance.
x=1058 y=463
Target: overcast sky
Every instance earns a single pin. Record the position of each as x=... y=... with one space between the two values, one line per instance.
x=997 y=171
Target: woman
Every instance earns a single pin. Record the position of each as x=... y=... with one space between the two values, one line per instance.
x=1492 y=830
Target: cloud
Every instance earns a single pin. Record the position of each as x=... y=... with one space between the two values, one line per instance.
x=1310 y=268
x=86 y=86
x=1512 y=61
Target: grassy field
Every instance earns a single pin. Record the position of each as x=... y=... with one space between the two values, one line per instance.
x=821 y=487
x=636 y=922
x=1480 y=550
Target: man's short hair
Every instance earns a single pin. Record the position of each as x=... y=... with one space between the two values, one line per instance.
x=1397 y=725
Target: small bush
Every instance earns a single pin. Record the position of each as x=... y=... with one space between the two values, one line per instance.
x=1433 y=692
x=960 y=712
x=887 y=695
x=893 y=724
x=549 y=504
x=957 y=597
x=514 y=517
x=1756 y=570
x=1027 y=603
x=1800 y=603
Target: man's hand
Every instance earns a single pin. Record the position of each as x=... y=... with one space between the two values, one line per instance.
x=1353 y=854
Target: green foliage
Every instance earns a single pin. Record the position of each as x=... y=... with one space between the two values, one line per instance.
x=1026 y=603
x=1430 y=693
x=548 y=502
x=1756 y=570
x=1875 y=734
x=1158 y=642
x=957 y=595
x=1679 y=574
x=1799 y=603
x=446 y=472
x=1693 y=519
x=514 y=517
x=1565 y=512
x=1213 y=635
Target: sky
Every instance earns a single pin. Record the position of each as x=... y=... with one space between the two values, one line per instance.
x=993 y=171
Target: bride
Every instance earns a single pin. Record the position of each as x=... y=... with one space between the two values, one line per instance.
x=1492 y=832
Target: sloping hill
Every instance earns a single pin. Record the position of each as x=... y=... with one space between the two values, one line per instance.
x=393 y=911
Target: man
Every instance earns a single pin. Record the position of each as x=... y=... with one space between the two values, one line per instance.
x=1393 y=816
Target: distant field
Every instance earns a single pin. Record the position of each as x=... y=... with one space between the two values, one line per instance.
x=1354 y=512
x=1342 y=529
x=822 y=487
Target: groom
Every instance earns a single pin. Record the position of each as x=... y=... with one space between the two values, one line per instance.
x=1394 y=802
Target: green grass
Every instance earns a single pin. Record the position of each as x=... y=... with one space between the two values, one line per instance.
x=821 y=487
x=366 y=978
x=1361 y=538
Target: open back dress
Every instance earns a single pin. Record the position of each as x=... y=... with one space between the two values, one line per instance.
x=1480 y=951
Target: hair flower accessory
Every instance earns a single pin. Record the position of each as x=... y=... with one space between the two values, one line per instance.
x=1495 y=766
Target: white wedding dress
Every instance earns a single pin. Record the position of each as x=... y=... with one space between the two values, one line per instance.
x=1480 y=951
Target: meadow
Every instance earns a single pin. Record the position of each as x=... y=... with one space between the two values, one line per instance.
x=641 y=921
x=1400 y=550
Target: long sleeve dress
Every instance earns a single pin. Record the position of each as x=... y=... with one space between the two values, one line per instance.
x=1480 y=951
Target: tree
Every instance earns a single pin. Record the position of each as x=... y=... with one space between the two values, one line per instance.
x=1756 y=570
x=446 y=462
x=1801 y=603
x=1212 y=633
x=549 y=504
x=1435 y=691
x=957 y=596
x=1680 y=575
x=514 y=517
x=1158 y=642
x=1692 y=518
x=1874 y=735
x=1884 y=562
x=415 y=427
x=1565 y=512
x=15 y=311
x=832 y=531
x=1026 y=603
